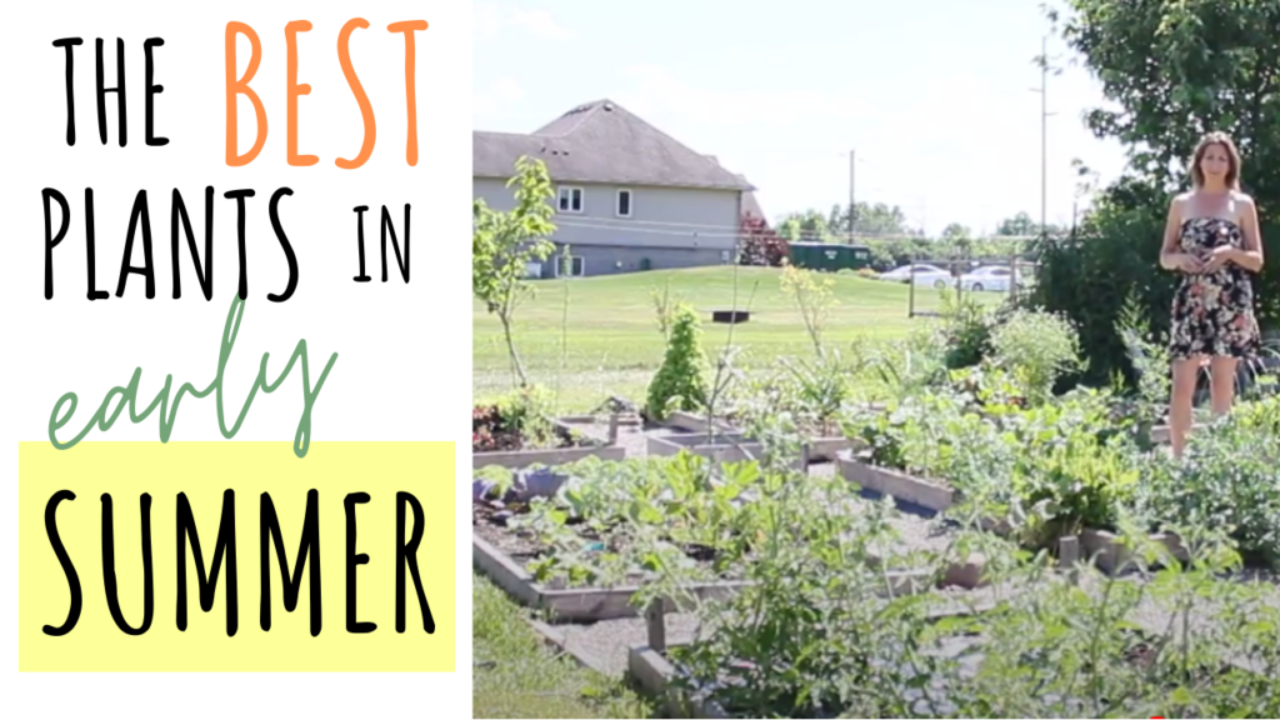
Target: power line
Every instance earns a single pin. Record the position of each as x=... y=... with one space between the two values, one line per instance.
x=711 y=229
x=727 y=231
x=722 y=231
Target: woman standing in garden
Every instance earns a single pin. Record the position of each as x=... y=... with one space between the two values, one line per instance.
x=1212 y=240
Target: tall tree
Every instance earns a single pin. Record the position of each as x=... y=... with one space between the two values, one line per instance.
x=504 y=243
x=1170 y=71
x=956 y=231
x=807 y=226
x=874 y=220
x=1177 y=69
x=1022 y=225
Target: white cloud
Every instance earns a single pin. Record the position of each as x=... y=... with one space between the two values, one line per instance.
x=490 y=19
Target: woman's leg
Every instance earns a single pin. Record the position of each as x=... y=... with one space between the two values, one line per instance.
x=1185 y=372
x=1222 y=388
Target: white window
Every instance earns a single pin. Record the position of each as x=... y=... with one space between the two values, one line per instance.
x=624 y=203
x=571 y=199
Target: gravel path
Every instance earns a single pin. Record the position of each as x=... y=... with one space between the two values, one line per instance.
x=604 y=645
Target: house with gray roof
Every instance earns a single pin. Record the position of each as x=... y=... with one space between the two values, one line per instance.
x=628 y=196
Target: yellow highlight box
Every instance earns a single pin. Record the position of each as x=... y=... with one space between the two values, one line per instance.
x=394 y=476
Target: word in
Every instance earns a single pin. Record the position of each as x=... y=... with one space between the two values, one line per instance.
x=387 y=227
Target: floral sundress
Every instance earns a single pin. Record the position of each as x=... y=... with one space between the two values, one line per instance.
x=1213 y=312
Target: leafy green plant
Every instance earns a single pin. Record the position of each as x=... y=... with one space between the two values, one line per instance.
x=1227 y=479
x=504 y=243
x=527 y=412
x=1149 y=359
x=814 y=299
x=808 y=628
x=913 y=365
x=1072 y=473
x=966 y=325
x=664 y=306
x=810 y=638
x=1036 y=348
x=681 y=382
x=1045 y=471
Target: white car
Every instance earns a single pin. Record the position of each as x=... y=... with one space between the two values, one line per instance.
x=997 y=278
x=920 y=273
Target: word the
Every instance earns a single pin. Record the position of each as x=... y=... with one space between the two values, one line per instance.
x=141 y=217
x=69 y=44
x=129 y=394
x=240 y=86
x=225 y=548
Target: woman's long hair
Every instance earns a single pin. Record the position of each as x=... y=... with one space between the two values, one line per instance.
x=1233 y=159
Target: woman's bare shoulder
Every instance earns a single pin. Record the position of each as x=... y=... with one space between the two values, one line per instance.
x=1179 y=202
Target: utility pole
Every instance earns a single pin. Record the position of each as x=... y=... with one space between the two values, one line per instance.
x=1044 y=135
x=853 y=208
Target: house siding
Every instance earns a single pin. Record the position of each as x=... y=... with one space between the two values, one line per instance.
x=614 y=259
x=668 y=227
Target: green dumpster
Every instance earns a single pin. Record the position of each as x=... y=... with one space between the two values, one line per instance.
x=829 y=257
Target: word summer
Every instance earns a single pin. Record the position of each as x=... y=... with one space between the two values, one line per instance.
x=224 y=550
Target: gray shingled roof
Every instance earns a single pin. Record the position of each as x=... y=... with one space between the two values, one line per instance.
x=601 y=142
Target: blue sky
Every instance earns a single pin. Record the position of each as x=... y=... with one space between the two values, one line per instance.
x=934 y=95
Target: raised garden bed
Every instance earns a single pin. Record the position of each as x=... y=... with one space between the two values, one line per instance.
x=573 y=446
x=911 y=494
x=592 y=603
x=915 y=493
x=821 y=448
x=685 y=421
x=583 y=541
x=725 y=447
x=1103 y=546
x=1108 y=553
x=576 y=604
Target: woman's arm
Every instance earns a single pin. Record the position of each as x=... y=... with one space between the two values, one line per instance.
x=1249 y=257
x=1171 y=257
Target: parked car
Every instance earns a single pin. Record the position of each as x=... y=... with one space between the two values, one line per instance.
x=920 y=272
x=997 y=278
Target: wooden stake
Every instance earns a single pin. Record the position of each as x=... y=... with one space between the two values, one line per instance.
x=655 y=618
x=613 y=428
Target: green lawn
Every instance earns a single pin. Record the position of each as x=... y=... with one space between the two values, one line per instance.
x=589 y=338
x=516 y=675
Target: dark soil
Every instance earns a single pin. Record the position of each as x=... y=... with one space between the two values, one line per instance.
x=490 y=432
